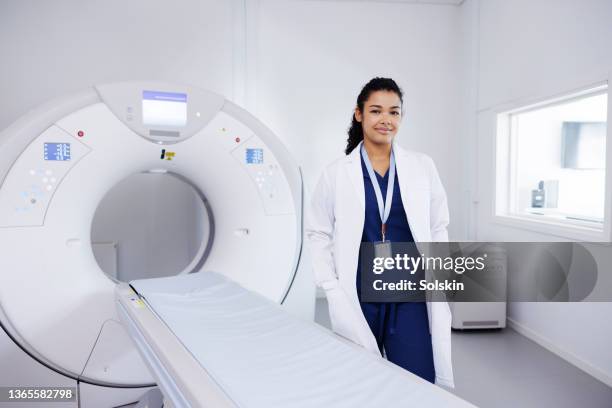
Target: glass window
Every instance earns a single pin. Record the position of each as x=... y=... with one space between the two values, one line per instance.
x=556 y=159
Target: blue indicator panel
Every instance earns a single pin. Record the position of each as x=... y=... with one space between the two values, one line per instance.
x=57 y=151
x=254 y=156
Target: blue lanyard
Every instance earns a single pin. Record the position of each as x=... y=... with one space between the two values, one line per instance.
x=384 y=208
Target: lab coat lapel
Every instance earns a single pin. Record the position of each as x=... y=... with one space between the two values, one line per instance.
x=406 y=175
x=353 y=168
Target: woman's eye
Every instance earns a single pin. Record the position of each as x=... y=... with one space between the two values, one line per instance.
x=375 y=111
x=395 y=113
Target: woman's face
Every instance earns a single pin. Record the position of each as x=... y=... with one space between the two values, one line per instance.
x=381 y=117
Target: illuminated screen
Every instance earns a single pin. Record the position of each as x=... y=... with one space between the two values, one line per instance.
x=164 y=109
x=254 y=156
x=57 y=151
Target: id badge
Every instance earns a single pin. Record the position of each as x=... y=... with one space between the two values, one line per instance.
x=382 y=249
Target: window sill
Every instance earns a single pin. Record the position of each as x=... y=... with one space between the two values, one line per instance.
x=575 y=230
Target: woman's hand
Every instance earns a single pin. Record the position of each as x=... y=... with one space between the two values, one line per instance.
x=341 y=313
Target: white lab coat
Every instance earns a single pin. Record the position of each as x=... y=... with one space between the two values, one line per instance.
x=334 y=228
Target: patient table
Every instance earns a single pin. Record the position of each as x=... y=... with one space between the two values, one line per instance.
x=209 y=342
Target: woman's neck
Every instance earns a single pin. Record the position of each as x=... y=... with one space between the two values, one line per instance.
x=379 y=155
x=377 y=152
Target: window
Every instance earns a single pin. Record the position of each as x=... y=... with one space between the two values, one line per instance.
x=551 y=161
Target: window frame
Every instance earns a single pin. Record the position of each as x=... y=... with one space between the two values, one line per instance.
x=504 y=211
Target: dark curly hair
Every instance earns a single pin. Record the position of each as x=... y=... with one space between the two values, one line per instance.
x=355 y=132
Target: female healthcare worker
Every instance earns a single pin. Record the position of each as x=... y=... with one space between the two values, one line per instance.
x=379 y=189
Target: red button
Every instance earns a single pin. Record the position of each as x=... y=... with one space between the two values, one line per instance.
x=80 y=133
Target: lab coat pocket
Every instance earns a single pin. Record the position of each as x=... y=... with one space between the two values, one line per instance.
x=341 y=314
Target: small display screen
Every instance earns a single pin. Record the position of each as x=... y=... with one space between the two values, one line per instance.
x=164 y=109
x=254 y=156
x=57 y=151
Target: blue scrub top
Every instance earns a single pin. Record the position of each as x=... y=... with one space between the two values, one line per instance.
x=398 y=229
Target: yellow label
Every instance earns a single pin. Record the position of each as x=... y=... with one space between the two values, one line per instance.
x=138 y=303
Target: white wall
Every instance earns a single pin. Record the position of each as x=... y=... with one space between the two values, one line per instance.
x=51 y=48
x=313 y=57
x=529 y=50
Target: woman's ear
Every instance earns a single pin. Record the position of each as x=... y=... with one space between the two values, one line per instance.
x=358 y=117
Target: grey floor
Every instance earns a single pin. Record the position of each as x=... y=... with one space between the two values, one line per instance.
x=501 y=368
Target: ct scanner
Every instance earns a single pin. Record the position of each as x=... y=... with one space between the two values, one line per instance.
x=59 y=161
x=61 y=310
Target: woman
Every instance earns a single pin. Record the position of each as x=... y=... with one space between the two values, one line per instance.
x=380 y=192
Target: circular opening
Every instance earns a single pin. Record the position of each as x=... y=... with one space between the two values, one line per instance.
x=150 y=225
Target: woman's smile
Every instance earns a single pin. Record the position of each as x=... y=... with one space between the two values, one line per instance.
x=383 y=130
